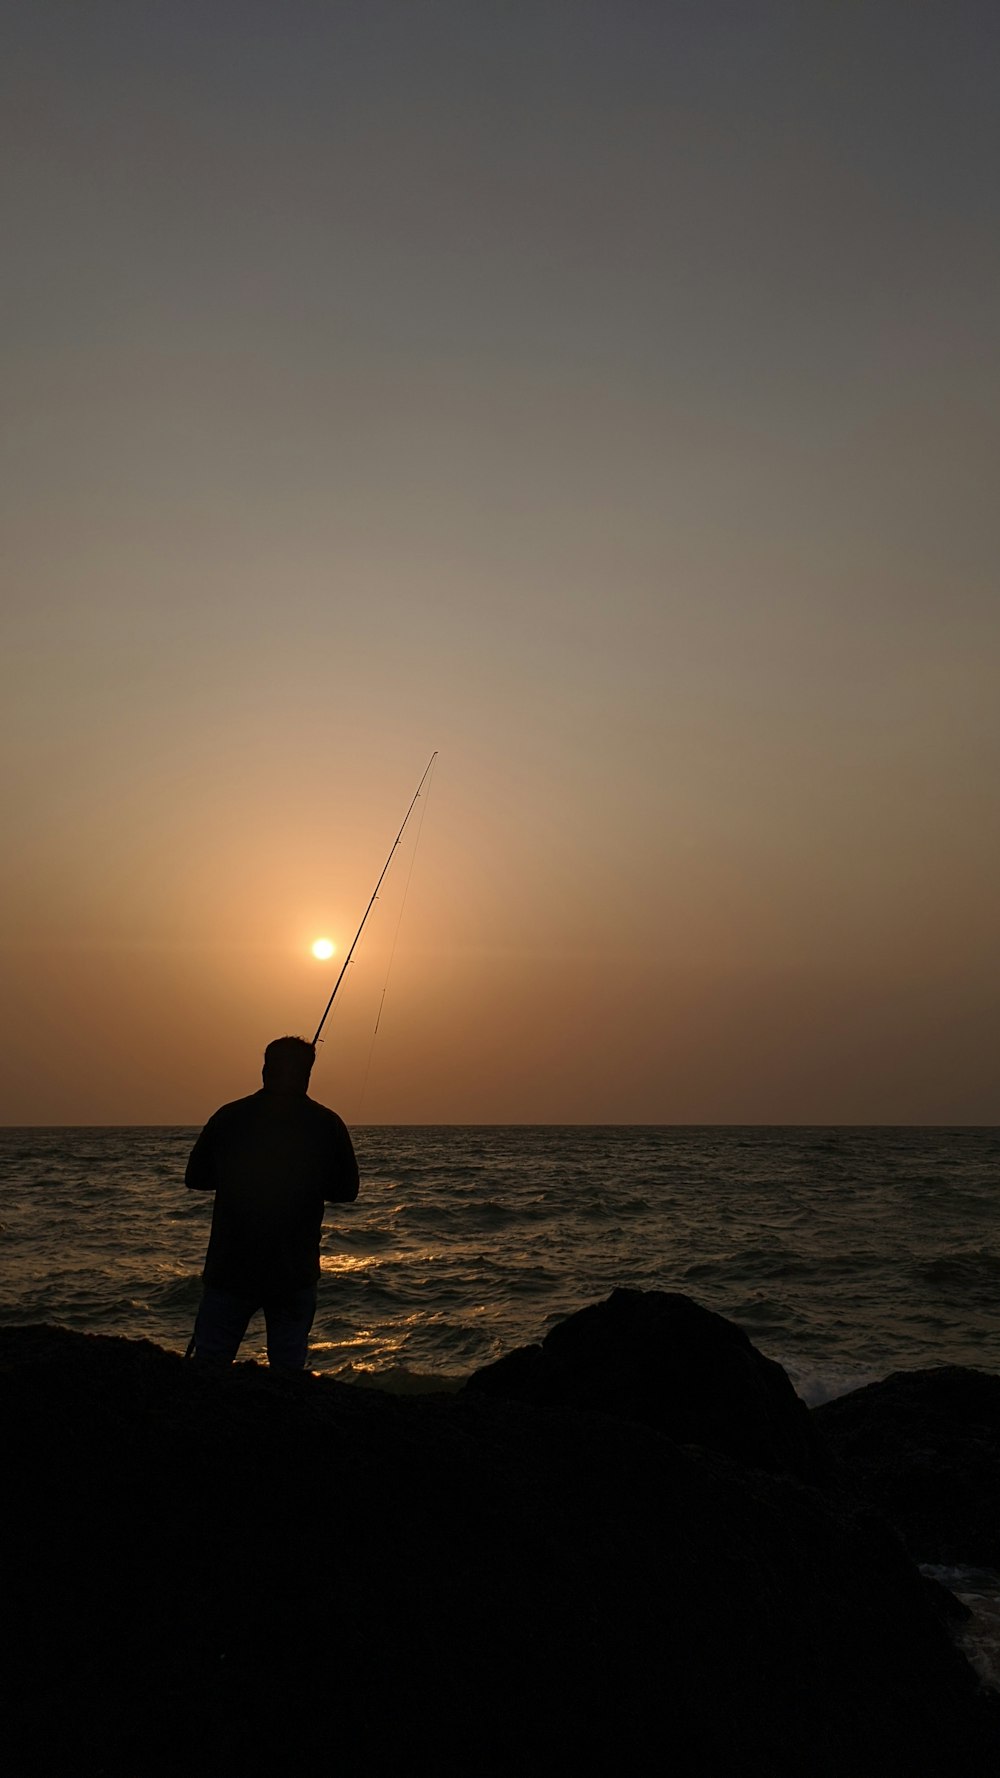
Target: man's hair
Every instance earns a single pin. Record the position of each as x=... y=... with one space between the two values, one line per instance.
x=291 y=1059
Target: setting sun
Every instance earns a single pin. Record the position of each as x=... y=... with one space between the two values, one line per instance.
x=323 y=948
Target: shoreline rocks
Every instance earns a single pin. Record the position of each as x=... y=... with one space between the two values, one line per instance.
x=663 y=1360
x=225 y=1574
x=922 y=1448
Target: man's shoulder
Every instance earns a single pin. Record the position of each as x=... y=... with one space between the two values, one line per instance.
x=235 y=1109
x=322 y=1114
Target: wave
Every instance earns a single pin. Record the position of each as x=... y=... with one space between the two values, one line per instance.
x=960 y=1266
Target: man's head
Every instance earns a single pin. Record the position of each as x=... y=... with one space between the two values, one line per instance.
x=288 y=1064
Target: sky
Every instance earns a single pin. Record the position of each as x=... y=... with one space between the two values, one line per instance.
x=603 y=395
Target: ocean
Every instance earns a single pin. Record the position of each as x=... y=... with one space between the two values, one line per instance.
x=844 y=1253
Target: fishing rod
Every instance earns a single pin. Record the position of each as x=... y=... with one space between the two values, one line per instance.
x=375 y=891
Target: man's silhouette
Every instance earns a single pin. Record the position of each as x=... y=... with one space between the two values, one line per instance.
x=273 y=1161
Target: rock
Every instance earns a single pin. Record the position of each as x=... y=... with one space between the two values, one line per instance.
x=923 y=1448
x=233 y=1574
x=666 y=1362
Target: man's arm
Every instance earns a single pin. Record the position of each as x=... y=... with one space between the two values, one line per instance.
x=344 y=1180
x=199 y=1175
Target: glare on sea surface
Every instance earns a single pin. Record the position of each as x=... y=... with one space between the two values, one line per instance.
x=323 y=948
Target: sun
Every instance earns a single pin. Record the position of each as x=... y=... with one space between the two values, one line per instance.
x=323 y=948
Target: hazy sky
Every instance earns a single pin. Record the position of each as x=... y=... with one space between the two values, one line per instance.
x=606 y=395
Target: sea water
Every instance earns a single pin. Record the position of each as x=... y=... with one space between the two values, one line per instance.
x=844 y=1253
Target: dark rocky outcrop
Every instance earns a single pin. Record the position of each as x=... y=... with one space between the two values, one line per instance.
x=247 y=1574
x=666 y=1362
x=923 y=1449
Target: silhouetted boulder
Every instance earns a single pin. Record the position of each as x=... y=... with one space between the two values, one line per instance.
x=923 y=1448
x=241 y=1574
x=664 y=1361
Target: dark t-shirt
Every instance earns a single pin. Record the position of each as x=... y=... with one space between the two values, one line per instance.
x=273 y=1160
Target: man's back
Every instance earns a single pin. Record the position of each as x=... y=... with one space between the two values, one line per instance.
x=273 y=1160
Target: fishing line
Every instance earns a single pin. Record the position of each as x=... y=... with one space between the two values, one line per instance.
x=392 y=952
x=371 y=904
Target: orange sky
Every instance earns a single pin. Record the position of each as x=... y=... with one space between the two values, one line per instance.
x=604 y=396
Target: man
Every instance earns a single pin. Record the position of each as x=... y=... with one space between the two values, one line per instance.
x=273 y=1161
